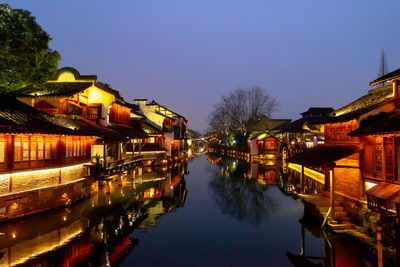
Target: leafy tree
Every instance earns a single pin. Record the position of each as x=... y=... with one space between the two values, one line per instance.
x=238 y=112
x=194 y=134
x=25 y=56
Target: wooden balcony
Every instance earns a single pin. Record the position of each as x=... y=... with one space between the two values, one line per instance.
x=113 y=167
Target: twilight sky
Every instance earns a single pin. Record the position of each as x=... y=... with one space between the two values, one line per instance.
x=185 y=54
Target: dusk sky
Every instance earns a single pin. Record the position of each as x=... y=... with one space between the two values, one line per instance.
x=186 y=54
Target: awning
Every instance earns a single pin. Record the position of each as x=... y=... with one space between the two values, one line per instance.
x=131 y=132
x=384 y=190
x=82 y=127
x=322 y=155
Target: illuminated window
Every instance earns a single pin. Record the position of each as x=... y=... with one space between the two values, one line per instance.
x=17 y=149
x=68 y=147
x=2 y=149
x=25 y=148
x=40 y=148
x=33 y=149
x=47 y=150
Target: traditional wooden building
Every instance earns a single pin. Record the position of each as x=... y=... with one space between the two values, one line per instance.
x=306 y=132
x=264 y=141
x=171 y=124
x=29 y=139
x=41 y=163
x=361 y=148
x=80 y=102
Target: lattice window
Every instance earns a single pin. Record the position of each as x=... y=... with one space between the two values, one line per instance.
x=25 y=148
x=378 y=159
x=69 y=147
x=40 y=147
x=33 y=151
x=389 y=157
x=17 y=149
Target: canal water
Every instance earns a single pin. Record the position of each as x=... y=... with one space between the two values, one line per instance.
x=210 y=211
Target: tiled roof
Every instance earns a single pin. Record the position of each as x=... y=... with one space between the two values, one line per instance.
x=82 y=127
x=56 y=89
x=146 y=126
x=387 y=77
x=18 y=117
x=318 y=110
x=129 y=131
x=322 y=155
x=297 y=125
x=382 y=123
x=362 y=105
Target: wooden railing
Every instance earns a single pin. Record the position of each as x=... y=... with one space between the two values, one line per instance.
x=113 y=167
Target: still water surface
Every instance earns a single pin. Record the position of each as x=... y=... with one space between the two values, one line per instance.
x=196 y=214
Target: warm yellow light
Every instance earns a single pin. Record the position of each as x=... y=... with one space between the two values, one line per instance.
x=44 y=171
x=369 y=185
x=319 y=177
x=151 y=192
x=262 y=136
x=14 y=235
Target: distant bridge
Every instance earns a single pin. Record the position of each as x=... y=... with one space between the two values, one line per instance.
x=199 y=145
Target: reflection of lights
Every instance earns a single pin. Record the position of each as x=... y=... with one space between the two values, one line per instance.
x=64 y=218
x=109 y=202
x=14 y=235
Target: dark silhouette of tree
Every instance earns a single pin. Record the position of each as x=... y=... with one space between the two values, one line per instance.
x=241 y=198
x=239 y=111
x=25 y=57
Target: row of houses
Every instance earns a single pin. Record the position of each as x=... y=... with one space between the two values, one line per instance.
x=354 y=149
x=53 y=137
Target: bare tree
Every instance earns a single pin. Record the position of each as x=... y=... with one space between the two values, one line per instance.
x=239 y=111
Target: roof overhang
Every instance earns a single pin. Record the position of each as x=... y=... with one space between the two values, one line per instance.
x=323 y=155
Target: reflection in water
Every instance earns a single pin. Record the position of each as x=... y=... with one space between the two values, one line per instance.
x=240 y=197
x=117 y=226
x=98 y=230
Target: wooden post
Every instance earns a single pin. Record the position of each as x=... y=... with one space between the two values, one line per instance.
x=379 y=247
x=104 y=154
x=302 y=179
x=397 y=158
x=397 y=233
x=61 y=149
x=332 y=195
x=10 y=152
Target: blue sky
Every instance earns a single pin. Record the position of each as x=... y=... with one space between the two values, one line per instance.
x=185 y=54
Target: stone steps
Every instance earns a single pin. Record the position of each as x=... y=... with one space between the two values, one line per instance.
x=322 y=204
x=340 y=226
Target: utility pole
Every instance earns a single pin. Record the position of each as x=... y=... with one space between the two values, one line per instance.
x=383 y=68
